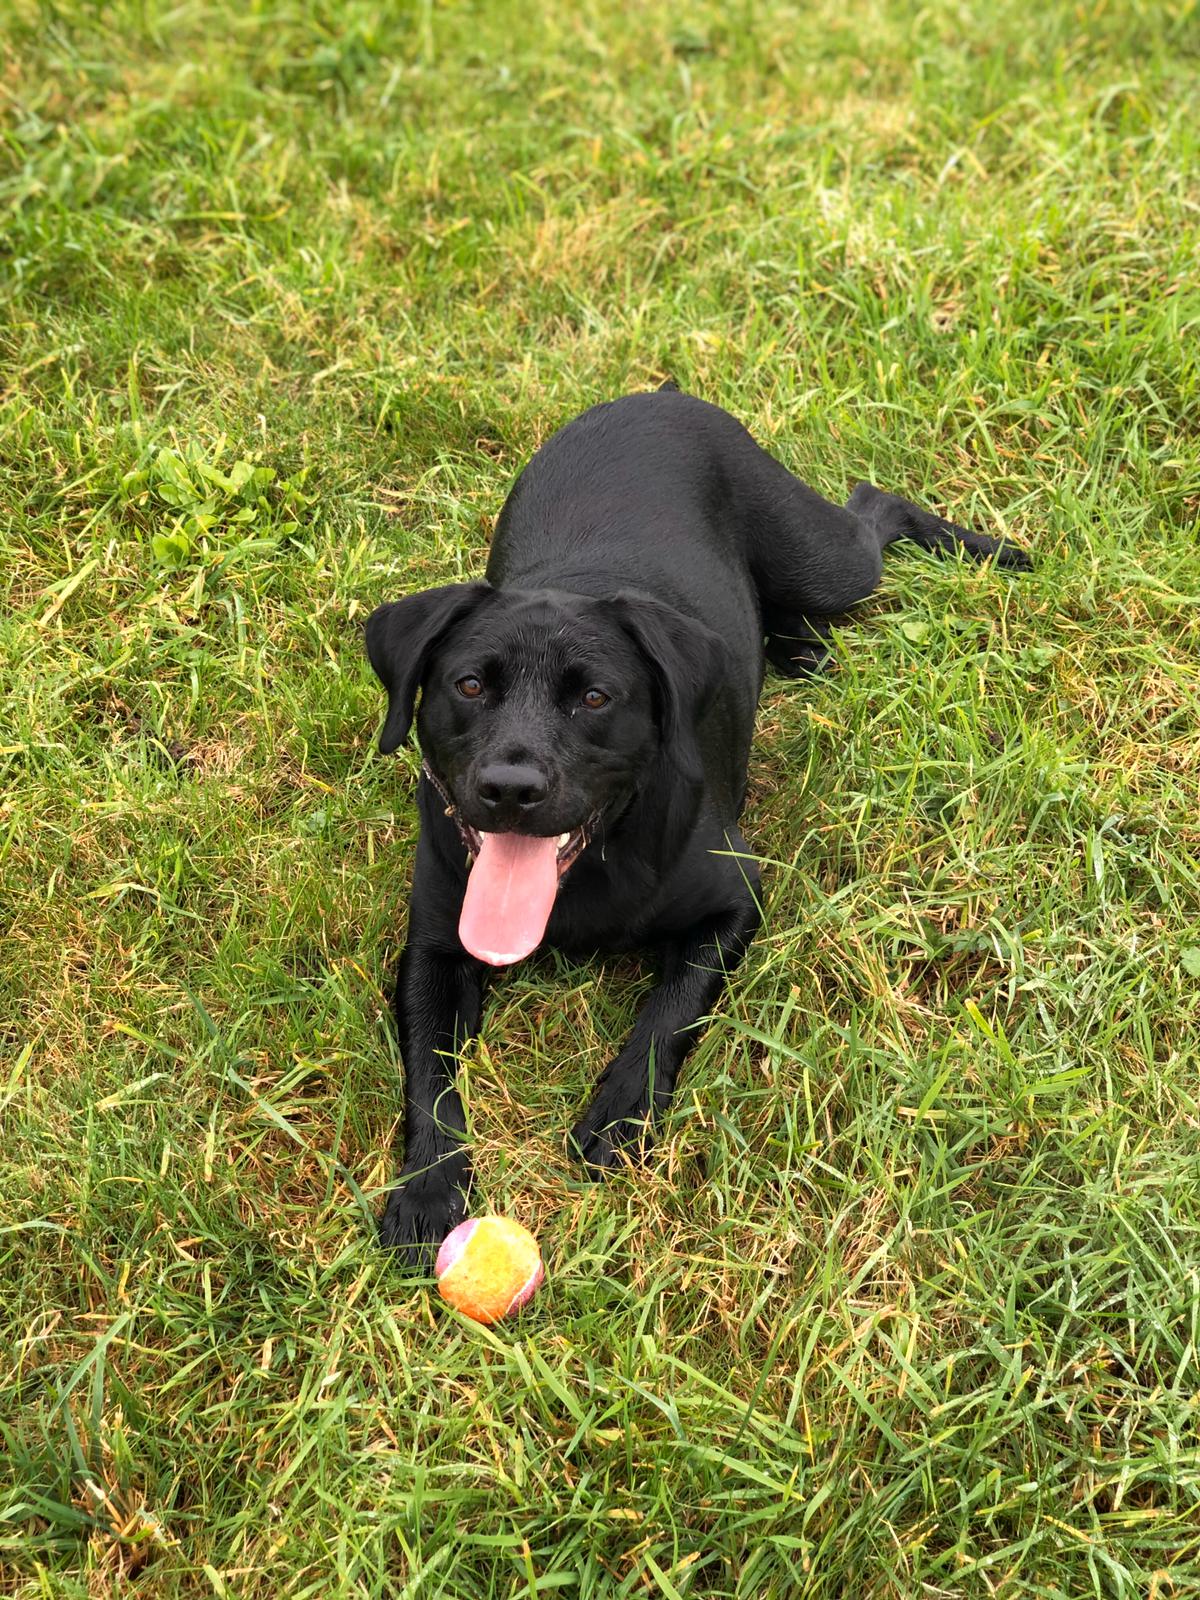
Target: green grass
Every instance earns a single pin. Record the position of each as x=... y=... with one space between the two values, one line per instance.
x=908 y=1302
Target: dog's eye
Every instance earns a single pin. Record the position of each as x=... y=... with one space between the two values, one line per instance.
x=469 y=687
x=593 y=699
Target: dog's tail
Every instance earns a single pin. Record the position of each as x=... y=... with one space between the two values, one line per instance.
x=893 y=518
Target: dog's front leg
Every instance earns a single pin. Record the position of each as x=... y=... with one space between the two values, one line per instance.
x=637 y=1086
x=439 y=997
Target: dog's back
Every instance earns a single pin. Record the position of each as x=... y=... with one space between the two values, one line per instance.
x=640 y=494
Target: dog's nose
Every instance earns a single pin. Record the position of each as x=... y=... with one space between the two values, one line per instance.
x=505 y=784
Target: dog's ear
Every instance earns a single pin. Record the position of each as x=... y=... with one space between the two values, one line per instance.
x=400 y=636
x=689 y=663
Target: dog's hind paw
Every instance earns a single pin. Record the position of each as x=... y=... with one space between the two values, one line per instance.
x=790 y=658
x=1012 y=557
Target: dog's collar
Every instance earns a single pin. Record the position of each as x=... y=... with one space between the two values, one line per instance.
x=451 y=808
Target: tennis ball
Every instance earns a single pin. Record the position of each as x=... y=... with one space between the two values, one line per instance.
x=488 y=1266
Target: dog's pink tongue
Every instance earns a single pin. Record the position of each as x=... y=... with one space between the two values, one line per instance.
x=510 y=894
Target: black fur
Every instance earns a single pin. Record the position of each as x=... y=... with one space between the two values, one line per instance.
x=646 y=549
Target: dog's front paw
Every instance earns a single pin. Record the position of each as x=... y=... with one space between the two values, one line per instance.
x=420 y=1212
x=614 y=1129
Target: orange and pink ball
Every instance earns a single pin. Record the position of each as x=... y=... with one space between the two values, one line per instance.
x=488 y=1267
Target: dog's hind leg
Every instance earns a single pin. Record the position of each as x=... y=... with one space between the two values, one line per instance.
x=813 y=560
x=892 y=518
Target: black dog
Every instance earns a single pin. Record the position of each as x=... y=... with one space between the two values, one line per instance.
x=586 y=715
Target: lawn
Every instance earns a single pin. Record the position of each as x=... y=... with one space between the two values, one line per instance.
x=907 y=1301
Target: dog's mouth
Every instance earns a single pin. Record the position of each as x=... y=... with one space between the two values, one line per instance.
x=567 y=846
x=512 y=885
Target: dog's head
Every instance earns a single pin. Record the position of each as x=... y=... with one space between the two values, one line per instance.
x=541 y=716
